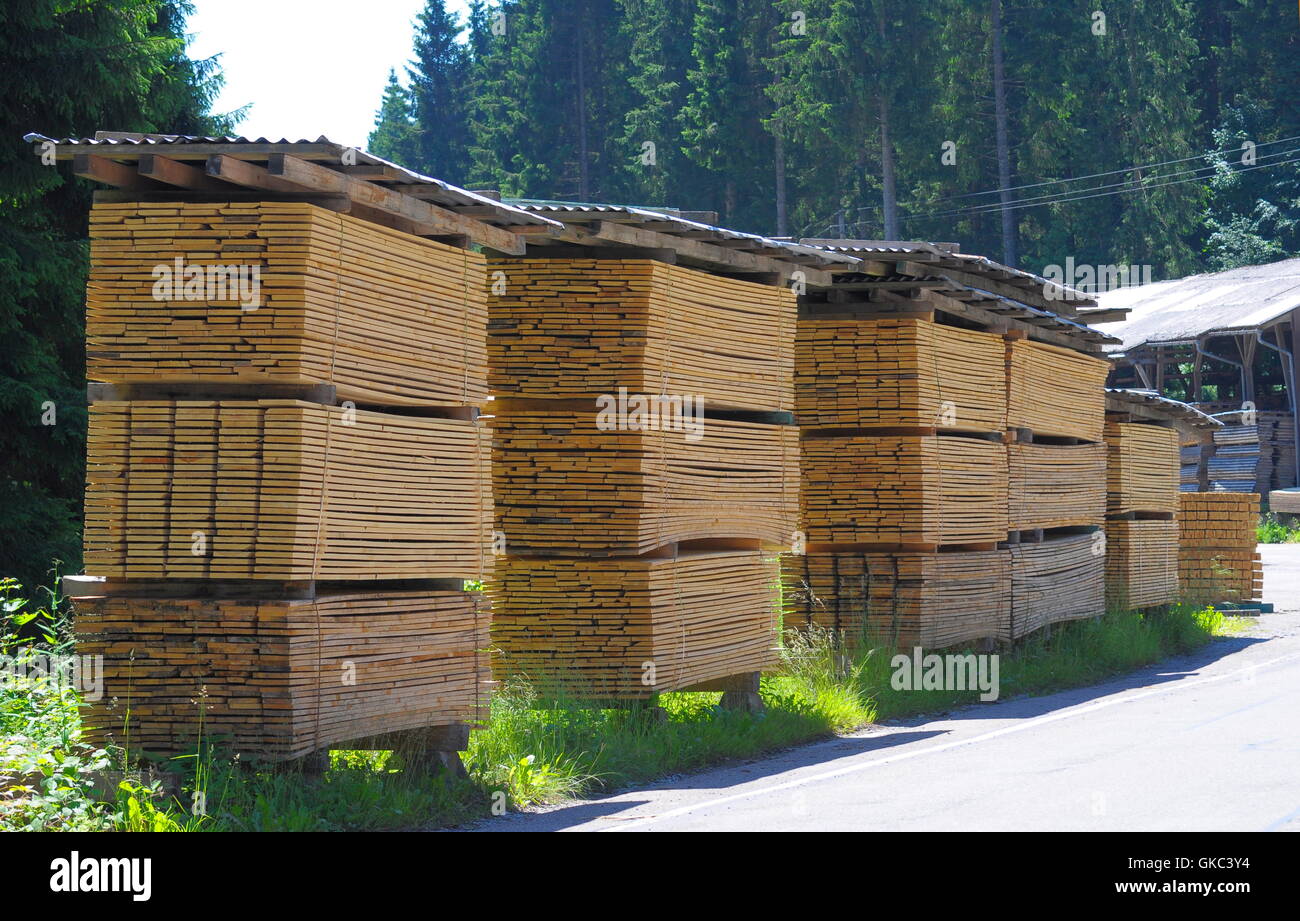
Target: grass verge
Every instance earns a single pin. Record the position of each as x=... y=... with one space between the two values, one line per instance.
x=534 y=750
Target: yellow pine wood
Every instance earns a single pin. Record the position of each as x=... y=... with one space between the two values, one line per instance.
x=283 y=490
x=1056 y=580
x=1143 y=468
x=585 y=327
x=895 y=372
x=1054 y=486
x=562 y=486
x=627 y=628
x=1141 y=563
x=903 y=489
x=1055 y=391
x=933 y=600
x=387 y=317
x=280 y=679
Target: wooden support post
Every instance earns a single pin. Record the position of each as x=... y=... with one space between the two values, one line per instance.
x=739 y=692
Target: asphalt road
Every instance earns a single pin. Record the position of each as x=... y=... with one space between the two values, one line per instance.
x=1205 y=742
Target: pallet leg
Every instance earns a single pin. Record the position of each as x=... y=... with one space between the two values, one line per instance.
x=436 y=750
x=316 y=763
x=740 y=693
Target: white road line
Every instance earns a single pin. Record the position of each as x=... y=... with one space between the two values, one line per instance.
x=934 y=749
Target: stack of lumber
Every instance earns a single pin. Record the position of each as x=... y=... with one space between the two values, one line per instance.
x=932 y=600
x=283 y=490
x=275 y=679
x=385 y=316
x=1141 y=562
x=853 y=372
x=1056 y=580
x=1142 y=472
x=1234 y=467
x=1284 y=501
x=1189 y=471
x=633 y=626
x=621 y=533
x=1277 y=451
x=203 y=472
x=1217 y=560
x=904 y=489
x=1055 y=486
x=1056 y=392
x=564 y=487
x=581 y=327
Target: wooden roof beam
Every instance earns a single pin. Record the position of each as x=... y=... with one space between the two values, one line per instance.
x=175 y=173
x=441 y=221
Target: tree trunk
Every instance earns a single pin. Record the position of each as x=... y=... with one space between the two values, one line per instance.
x=1009 y=247
x=584 y=180
x=779 y=156
x=888 y=182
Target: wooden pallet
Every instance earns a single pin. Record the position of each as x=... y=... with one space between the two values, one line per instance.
x=1056 y=392
x=1056 y=580
x=628 y=628
x=1141 y=563
x=564 y=487
x=933 y=600
x=283 y=490
x=387 y=317
x=279 y=679
x=585 y=327
x=853 y=372
x=903 y=489
x=1142 y=468
x=1054 y=486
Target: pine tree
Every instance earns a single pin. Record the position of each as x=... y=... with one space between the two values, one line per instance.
x=438 y=79
x=394 y=136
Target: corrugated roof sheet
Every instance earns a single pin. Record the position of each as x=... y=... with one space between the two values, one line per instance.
x=1185 y=309
x=499 y=214
x=1176 y=409
x=673 y=224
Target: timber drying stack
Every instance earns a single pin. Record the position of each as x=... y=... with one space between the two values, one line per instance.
x=288 y=564
x=904 y=496
x=1217 y=555
x=644 y=471
x=1057 y=465
x=1142 y=503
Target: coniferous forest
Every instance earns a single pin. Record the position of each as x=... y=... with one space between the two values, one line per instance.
x=1163 y=133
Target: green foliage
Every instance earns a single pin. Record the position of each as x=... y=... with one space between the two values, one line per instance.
x=1273 y=531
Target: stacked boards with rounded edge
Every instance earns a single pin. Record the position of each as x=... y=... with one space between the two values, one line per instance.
x=1056 y=407
x=902 y=598
x=282 y=293
x=1143 y=485
x=904 y=495
x=644 y=462
x=1217 y=556
x=251 y=527
x=278 y=679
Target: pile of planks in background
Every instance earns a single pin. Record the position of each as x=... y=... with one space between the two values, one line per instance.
x=952 y=480
x=639 y=548
x=1217 y=558
x=1142 y=502
x=283 y=574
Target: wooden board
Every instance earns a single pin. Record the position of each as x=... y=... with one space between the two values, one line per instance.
x=895 y=372
x=1142 y=468
x=387 y=317
x=1285 y=501
x=903 y=489
x=284 y=490
x=1141 y=563
x=1054 y=391
x=1217 y=559
x=933 y=600
x=1053 y=486
x=562 y=486
x=627 y=628
x=1218 y=520
x=1056 y=580
x=280 y=679
x=584 y=327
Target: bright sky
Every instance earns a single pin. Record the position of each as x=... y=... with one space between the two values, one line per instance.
x=309 y=67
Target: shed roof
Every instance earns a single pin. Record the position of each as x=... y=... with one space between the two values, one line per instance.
x=1183 y=310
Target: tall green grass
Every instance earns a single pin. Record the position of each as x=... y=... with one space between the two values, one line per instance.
x=537 y=747
x=1273 y=531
